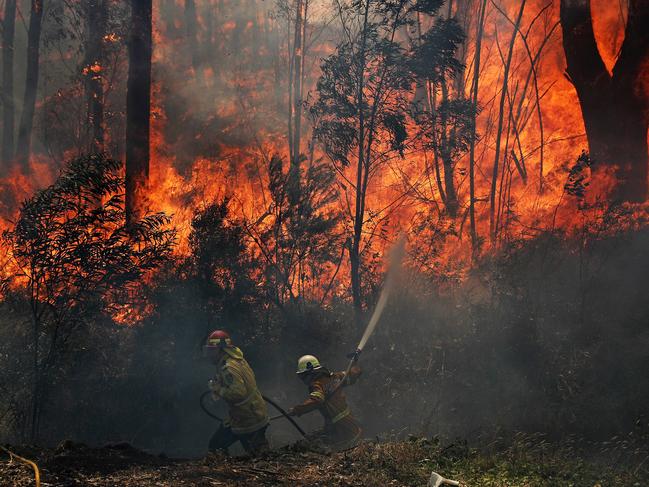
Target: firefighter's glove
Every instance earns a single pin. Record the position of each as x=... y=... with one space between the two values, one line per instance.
x=215 y=386
x=296 y=411
x=354 y=355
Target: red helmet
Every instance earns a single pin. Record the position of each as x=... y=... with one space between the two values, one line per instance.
x=218 y=339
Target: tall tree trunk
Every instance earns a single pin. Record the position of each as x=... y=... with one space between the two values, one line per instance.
x=192 y=31
x=615 y=108
x=475 y=90
x=451 y=201
x=213 y=50
x=295 y=98
x=138 y=106
x=463 y=16
x=31 y=84
x=8 y=106
x=297 y=85
x=255 y=33
x=448 y=135
x=277 y=64
x=420 y=100
x=499 y=130
x=94 y=70
x=362 y=167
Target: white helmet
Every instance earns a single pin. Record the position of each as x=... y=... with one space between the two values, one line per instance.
x=307 y=363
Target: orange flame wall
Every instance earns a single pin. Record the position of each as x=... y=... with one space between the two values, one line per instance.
x=241 y=92
x=215 y=124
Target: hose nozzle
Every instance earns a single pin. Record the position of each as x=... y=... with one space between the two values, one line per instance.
x=354 y=355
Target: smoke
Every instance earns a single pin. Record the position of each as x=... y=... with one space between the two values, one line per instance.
x=548 y=335
x=542 y=338
x=529 y=342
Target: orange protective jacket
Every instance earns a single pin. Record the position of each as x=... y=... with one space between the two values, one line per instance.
x=341 y=428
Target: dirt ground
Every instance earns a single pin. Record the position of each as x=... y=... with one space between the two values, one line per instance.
x=122 y=465
x=408 y=463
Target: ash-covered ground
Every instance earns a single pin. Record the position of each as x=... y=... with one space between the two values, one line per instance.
x=529 y=462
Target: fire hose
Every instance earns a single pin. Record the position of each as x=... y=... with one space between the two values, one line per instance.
x=37 y=473
x=204 y=408
x=283 y=413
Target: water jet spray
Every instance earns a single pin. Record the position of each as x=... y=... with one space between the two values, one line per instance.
x=395 y=260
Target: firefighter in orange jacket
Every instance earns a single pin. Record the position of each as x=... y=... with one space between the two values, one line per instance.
x=235 y=383
x=341 y=430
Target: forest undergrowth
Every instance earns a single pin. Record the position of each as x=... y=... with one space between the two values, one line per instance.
x=527 y=462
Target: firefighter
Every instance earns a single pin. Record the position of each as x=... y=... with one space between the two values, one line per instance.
x=326 y=395
x=235 y=383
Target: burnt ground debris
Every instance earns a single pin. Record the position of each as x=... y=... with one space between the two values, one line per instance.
x=528 y=462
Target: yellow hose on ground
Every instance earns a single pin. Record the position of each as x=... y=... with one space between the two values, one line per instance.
x=37 y=473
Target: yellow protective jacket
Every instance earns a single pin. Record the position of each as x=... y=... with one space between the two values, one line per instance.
x=237 y=386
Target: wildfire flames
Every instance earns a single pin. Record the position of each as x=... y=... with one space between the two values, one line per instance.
x=216 y=125
x=564 y=136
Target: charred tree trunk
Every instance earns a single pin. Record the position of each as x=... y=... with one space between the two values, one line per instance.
x=475 y=91
x=499 y=130
x=192 y=32
x=463 y=10
x=31 y=84
x=94 y=71
x=451 y=201
x=447 y=135
x=138 y=106
x=255 y=33
x=295 y=107
x=361 y=175
x=8 y=106
x=212 y=50
x=277 y=64
x=420 y=100
x=298 y=47
x=615 y=108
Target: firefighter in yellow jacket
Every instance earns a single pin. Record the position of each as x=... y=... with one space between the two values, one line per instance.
x=235 y=383
x=341 y=430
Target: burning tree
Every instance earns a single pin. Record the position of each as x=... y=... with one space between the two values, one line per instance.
x=75 y=260
x=298 y=235
x=363 y=107
x=23 y=149
x=96 y=20
x=444 y=118
x=8 y=105
x=138 y=106
x=360 y=110
x=615 y=106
